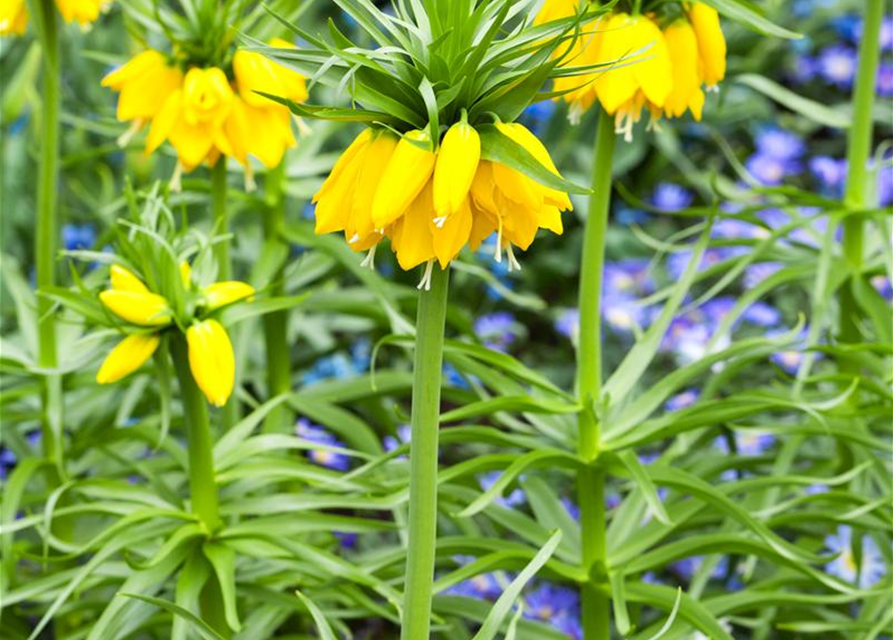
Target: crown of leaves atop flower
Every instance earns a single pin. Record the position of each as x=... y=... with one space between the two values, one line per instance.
x=442 y=164
x=203 y=97
x=432 y=60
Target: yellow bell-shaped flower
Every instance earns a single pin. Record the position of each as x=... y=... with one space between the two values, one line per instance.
x=457 y=162
x=360 y=231
x=686 y=94
x=13 y=17
x=128 y=356
x=211 y=360
x=144 y=83
x=142 y=309
x=81 y=11
x=124 y=280
x=407 y=173
x=221 y=294
x=711 y=43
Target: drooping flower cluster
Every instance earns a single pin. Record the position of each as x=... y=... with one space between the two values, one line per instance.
x=211 y=356
x=206 y=112
x=14 y=13
x=659 y=66
x=430 y=203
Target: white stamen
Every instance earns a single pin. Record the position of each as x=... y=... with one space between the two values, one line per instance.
x=575 y=113
x=439 y=222
x=654 y=124
x=514 y=265
x=250 y=184
x=425 y=283
x=623 y=123
x=369 y=260
x=303 y=129
x=134 y=128
x=713 y=88
x=498 y=252
x=176 y=183
x=355 y=238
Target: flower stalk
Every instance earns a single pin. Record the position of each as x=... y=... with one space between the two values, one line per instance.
x=859 y=145
x=46 y=236
x=421 y=553
x=591 y=481
x=202 y=485
x=229 y=414
x=276 y=324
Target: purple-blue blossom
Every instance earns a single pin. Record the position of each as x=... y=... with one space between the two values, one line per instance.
x=324 y=458
x=836 y=64
x=496 y=330
x=778 y=143
x=864 y=574
x=516 y=498
x=669 y=196
x=771 y=171
x=749 y=442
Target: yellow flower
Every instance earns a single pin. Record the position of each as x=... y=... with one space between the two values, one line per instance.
x=221 y=294
x=457 y=162
x=81 y=11
x=143 y=309
x=333 y=200
x=711 y=43
x=211 y=360
x=14 y=13
x=580 y=90
x=13 y=17
x=258 y=126
x=643 y=72
x=192 y=117
x=124 y=280
x=144 y=83
x=407 y=173
x=128 y=356
x=403 y=177
x=686 y=94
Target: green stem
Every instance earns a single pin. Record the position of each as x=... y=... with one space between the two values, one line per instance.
x=858 y=153
x=423 y=459
x=276 y=324
x=591 y=481
x=202 y=484
x=47 y=233
x=221 y=219
x=229 y=413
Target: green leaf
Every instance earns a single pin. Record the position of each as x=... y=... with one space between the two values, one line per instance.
x=503 y=605
x=688 y=608
x=198 y=624
x=223 y=560
x=322 y=625
x=499 y=148
x=807 y=108
x=753 y=16
x=631 y=461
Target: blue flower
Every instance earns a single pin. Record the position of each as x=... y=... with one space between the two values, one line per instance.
x=347 y=540
x=484 y=586
x=515 y=499
x=830 y=172
x=8 y=462
x=777 y=143
x=669 y=196
x=886 y=36
x=885 y=80
x=682 y=400
x=568 y=324
x=762 y=314
x=496 y=330
x=885 y=186
x=790 y=359
x=537 y=116
x=552 y=603
x=632 y=277
x=340 y=365
x=883 y=286
x=845 y=566
x=404 y=433
x=329 y=459
x=849 y=26
x=78 y=236
x=749 y=442
x=837 y=65
x=627 y=216
x=805 y=69
x=759 y=271
x=454 y=378
x=769 y=170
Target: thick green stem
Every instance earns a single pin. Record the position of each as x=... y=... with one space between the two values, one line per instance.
x=229 y=414
x=276 y=324
x=47 y=233
x=423 y=459
x=202 y=485
x=591 y=481
x=858 y=154
x=221 y=219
